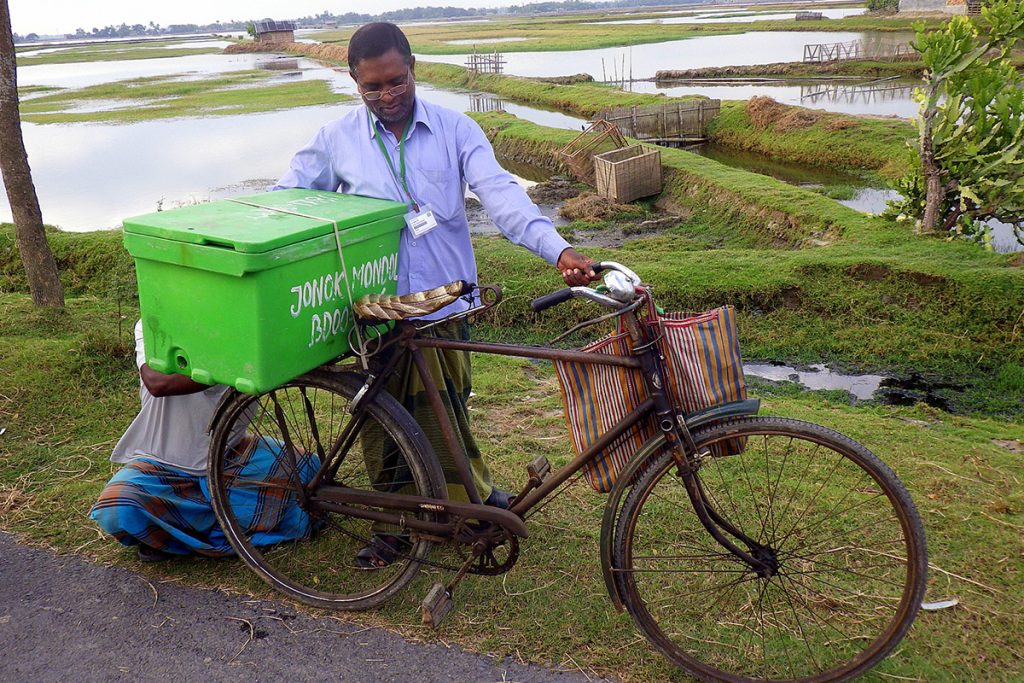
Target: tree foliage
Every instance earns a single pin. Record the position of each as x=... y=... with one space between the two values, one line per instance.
x=971 y=126
x=883 y=5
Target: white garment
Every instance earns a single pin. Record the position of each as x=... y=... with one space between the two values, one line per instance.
x=170 y=429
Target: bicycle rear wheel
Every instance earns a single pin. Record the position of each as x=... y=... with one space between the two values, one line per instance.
x=264 y=453
x=847 y=544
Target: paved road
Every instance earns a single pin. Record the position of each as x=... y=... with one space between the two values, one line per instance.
x=64 y=619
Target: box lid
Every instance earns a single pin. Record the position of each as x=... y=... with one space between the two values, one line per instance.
x=263 y=222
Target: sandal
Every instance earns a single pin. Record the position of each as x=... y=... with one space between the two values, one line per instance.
x=382 y=551
x=150 y=554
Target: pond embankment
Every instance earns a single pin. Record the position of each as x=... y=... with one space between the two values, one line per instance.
x=789 y=134
x=813 y=280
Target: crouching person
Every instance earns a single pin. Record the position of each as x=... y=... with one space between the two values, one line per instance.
x=160 y=500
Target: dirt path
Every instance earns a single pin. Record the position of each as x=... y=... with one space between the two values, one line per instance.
x=64 y=619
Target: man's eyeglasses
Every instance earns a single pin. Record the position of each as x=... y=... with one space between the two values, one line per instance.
x=374 y=95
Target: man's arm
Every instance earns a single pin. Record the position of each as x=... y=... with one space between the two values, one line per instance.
x=577 y=269
x=311 y=167
x=159 y=384
x=511 y=208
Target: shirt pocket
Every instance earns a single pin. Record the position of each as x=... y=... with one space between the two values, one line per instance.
x=442 y=189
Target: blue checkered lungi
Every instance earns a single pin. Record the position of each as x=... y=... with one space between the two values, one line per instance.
x=150 y=503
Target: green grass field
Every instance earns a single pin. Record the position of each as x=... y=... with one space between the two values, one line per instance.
x=812 y=281
x=113 y=51
x=585 y=31
x=160 y=97
x=67 y=390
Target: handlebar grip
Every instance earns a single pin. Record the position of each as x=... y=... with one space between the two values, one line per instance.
x=597 y=268
x=552 y=299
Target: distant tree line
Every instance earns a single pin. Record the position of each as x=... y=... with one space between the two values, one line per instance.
x=150 y=29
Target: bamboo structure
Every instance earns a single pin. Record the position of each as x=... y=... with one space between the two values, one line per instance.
x=493 y=63
x=600 y=136
x=675 y=123
x=855 y=49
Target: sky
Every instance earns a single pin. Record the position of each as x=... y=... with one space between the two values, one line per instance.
x=57 y=17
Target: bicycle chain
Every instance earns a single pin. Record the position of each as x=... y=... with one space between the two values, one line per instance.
x=509 y=561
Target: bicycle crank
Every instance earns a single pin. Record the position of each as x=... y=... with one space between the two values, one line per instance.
x=482 y=560
x=436 y=605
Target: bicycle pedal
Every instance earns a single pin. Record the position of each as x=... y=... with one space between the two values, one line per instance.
x=436 y=605
x=538 y=470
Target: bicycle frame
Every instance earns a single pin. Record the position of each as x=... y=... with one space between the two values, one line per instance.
x=673 y=429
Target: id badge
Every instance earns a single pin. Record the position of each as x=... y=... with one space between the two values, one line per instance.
x=421 y=222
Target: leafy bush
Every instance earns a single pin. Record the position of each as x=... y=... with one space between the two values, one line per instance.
x=883 y=5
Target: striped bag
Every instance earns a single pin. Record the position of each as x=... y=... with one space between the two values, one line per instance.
x=703 y=368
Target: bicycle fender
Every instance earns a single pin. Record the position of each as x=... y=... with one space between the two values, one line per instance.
x=611 y=512
x=628 y=474
x=724 y=411
x=221 y=407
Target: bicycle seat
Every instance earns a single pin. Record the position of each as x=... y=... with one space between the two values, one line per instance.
x=380 y=307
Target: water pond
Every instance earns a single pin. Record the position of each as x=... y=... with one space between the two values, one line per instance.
x=862 y=387
x=643 y=61
x=92 y=176
x=869 y=196
x=739 y=16
x=874 y=97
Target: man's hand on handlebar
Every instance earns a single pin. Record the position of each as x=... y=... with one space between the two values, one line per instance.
x=577 y=270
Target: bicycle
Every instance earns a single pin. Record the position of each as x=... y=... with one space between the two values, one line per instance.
x=799 y=557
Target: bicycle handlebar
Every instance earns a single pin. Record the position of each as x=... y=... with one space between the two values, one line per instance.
x=622 y=290
x=551 y=299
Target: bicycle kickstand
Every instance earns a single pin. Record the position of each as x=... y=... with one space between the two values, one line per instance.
x=438 y=602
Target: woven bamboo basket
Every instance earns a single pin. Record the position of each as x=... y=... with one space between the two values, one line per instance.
x=623 y=175
x=578 y=155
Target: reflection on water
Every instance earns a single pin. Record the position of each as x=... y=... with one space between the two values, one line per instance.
x=868 y=95
x=642 y=61
x=480 y=103
x=281 y=64
x=790 y=172
x=83 y=74
x=92 y=176
x=893 y=99
x=818 y=376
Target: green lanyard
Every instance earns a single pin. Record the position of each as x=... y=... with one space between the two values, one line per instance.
x=401 y=158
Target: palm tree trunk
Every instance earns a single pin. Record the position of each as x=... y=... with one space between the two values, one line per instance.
x=40 y=266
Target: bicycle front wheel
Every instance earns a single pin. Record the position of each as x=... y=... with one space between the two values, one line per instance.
x=840 y=532
x=264 y=456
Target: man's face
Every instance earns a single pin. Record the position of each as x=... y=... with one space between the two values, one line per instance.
x=381 y=74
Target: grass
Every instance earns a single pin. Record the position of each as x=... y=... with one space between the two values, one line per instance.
x=812 y=279
x=583 y=32
x=825 y=139
x=53 y=461
x=160 y=97
x=114 y=51
x=864 y=143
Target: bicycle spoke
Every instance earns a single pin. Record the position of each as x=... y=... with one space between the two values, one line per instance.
x=785 y=646
x=302 y=435
x=828 y=602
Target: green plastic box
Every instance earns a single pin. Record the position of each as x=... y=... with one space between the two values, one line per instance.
x=250 y=292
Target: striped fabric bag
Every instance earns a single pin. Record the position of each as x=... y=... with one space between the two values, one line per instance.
x=594 y=398
x=702 y=355
x=703 y=368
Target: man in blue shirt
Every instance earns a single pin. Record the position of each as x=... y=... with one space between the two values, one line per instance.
x=401 y=148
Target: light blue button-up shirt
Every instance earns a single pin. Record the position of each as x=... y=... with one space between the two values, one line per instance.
x=444 y=152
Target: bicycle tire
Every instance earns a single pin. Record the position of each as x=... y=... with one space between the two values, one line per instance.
x=309 y=412
x=850 y=548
